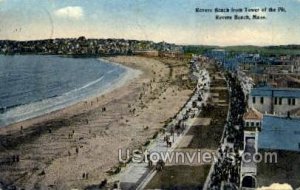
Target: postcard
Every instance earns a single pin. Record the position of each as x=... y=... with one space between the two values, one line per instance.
x=160 y=94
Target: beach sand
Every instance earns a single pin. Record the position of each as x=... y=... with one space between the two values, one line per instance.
x=123 y=118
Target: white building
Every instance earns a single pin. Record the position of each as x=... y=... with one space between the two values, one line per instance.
x=252 y=121
x=279 y=101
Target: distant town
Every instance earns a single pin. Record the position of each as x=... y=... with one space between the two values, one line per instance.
x=87 y=47
x=105 y=47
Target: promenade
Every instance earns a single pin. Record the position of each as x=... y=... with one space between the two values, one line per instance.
x=137 y=175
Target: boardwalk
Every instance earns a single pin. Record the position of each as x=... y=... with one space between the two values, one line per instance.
x=137 y=175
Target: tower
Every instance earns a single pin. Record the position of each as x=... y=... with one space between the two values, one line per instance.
x=252 y=122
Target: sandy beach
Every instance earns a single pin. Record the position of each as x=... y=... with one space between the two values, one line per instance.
x=56 y=149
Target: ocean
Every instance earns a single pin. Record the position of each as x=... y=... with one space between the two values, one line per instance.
x=33 y=85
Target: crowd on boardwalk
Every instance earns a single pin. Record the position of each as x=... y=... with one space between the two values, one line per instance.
x=246 y=82
x=182 y=121
x=192 y=108
x=134 y=176
x=225 y=171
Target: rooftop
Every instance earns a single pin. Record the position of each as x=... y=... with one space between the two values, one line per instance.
x=279 y=133
x=277 y=92
x=253 y=114
x=288 y=78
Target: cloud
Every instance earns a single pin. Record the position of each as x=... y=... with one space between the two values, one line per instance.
x=70 y=12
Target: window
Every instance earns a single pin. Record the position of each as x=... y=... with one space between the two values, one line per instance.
x=280 y=101
x=293 y=101
x=289 y=101
x=276 y=101
x=252 y=124
x=262 y=100
x=257 y=124
x=253 y=100
x=247 y=124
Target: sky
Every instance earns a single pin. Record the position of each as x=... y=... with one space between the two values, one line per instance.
x=173 y=21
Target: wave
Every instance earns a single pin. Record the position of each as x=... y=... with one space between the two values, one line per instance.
x=22 y=112
x=113 y=78
x=85 y=86
x=4 y=109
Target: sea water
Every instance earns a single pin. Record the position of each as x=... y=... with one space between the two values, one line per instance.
x=33 y=85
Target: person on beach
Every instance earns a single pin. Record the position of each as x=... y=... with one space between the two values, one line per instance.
x=17 y=158
x=160 y=165
x=103 y=183
x=169 y=143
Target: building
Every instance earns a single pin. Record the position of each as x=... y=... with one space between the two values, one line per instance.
x=279 y=101
x=252 y=118
x=218 y=54
x=287 y=81
x=252 y=122
x=280 y=139
x=279 y=133
x=272 y=133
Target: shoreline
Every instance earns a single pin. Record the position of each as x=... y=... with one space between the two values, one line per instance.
x=56 y=149
x=128 y=75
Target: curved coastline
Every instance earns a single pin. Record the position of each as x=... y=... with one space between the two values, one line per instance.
x=45 y=143
x=44 y=107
